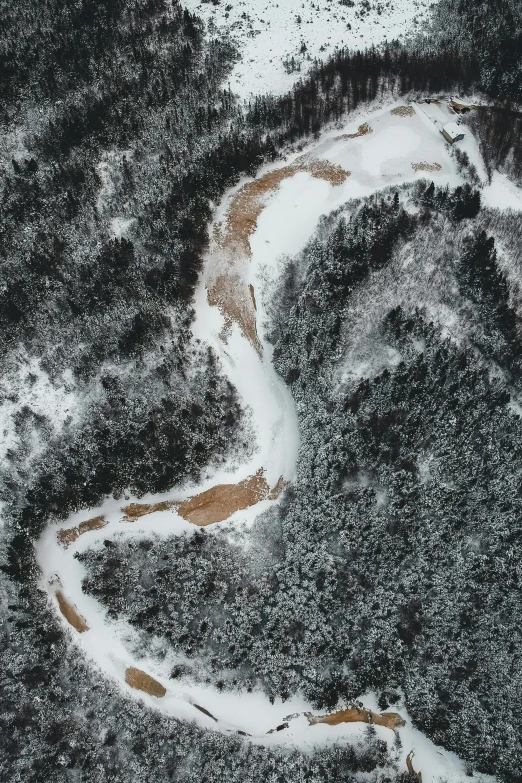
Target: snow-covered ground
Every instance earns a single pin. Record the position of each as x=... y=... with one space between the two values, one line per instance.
x=269 y=34
x=27 y=391
x=388 y=155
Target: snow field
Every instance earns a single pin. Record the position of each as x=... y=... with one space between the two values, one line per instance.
x=269 y=33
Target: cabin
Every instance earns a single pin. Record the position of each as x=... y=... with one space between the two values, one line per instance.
x=452 y=132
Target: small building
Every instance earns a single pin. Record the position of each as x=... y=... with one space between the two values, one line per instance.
x=452 y=132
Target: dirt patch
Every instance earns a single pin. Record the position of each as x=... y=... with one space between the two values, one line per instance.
x=67 y=536
x=215 y=504
x=426 y=166
x=363 y=130
x=278 y=728
x=409 y=767
x=248 y=203
x=69 y=612
x=228 y=290
x=403 y=111
x=220 y=502
x=391 y=720
x=204 y=711
x=461 y=108
x=279 y=487
x=235 y=302
x=136 y=510
x=144 y=682
x=253 y=296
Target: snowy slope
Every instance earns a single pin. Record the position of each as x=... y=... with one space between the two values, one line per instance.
x=269 y=34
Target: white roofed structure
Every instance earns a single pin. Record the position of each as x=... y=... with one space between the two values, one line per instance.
x=452 y=132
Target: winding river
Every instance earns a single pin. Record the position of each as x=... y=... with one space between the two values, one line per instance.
x=257 y=224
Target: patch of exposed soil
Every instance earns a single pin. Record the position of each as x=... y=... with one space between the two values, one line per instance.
x=228 y=290
x=230 y=294
x=362 y=130
x=278 y=728
x=279 y=487
x=391 y=720
x=220 y=502
x=248 y=203
x=215 y=504
x=144 y=682
x=136 y=510
x=423 y=166
x=403 y=111
x=204 y=711
x=70 y=613
x=253 y=296
x=460 y=108
x=409 y=767
x=67 y=536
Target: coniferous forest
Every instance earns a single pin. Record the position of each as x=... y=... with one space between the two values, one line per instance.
x=393 y=563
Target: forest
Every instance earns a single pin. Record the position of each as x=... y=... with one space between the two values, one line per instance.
x=119 y=136
x=380 y=570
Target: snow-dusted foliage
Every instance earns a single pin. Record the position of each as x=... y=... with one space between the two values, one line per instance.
x=392 y=563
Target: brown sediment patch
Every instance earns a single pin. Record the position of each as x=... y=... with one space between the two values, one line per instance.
x=228 y=290
x=279 y=487
x=403 y=111
x=391 y=720
x=278 y=728
x=204 y=711
x=70 y=613
x=229 y=293
x=253 y=295
x=362 y=130
x=248 y=203
x=215 y=504
x=141 y=681
x=409 y=767
x=458 y=107
x=66 y=536
x=136 y=510
x=220 y=502
x=424 y=166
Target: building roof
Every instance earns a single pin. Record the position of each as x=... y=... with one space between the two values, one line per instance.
x=453 y=130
